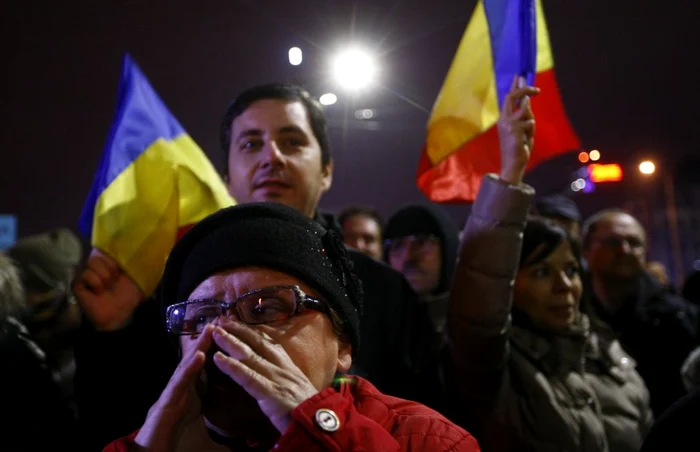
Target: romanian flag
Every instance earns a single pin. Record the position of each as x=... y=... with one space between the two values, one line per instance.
x=503 y=38
x=152 y=184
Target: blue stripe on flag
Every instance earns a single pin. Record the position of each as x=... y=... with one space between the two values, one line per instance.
x=513 y=33
x=141 y=119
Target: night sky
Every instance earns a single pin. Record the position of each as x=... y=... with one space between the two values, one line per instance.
x=625 y=69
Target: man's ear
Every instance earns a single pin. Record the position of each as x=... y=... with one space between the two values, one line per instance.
x=327 y=176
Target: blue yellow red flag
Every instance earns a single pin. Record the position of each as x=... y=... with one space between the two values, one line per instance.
x=503 y=38
x=153 y=183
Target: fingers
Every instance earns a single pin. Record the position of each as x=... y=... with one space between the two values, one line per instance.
x=100 y=272
x=243 y=365
x=256 y=341
x=104 y=259
x=205 y=339
x=184 y=377
x=191 y=364
x=232 y=345
x=253 y=382
x=519 y=92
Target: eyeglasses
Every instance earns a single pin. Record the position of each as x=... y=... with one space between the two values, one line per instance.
x=265 y=305
x=420 y=241
x=615 y=242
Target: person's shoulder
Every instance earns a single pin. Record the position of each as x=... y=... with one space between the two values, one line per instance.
x=675 y=427
x=412 y=423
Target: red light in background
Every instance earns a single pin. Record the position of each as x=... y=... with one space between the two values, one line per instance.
x=611 y=172
x=583 y=157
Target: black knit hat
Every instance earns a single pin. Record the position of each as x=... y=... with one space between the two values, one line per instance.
x=272 y=236
x=557 y=206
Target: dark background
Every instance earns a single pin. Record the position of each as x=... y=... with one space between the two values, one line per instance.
x=626 y=70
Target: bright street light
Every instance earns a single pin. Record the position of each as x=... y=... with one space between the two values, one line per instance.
x=594 y=155
x=328 y=99
x=354 y=69
x=647 y=167
x=295 y=56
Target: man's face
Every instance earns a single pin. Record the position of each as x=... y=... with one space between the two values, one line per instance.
x=419 y=258
x=274 y=156
x=364 y=234
x=308 y=338
x=617 y=247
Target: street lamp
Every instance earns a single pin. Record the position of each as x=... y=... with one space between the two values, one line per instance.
x=354 y=69
x=647 y=167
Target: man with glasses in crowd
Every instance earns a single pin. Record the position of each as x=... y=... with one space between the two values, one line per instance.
x=658 y=329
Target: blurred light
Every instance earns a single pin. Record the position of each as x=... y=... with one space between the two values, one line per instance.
x=354 y=69
x=578 y=184
x=328 y=99
x=594 y=155
x=647 y=167
x=589 y=188
x=364 y=114
x=295 y=56
x=611 y=172
x=696 y=265
x=583 y=157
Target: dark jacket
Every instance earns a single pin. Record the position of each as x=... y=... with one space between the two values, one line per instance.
x=367 y=420
x=431 y=311
x=121 y=374
x=659 y=330
x=677 y=429
x=34 y=414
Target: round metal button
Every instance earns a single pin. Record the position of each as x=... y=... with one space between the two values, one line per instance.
x=327 y=420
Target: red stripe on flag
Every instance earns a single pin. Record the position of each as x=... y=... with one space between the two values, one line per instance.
x=458 y=177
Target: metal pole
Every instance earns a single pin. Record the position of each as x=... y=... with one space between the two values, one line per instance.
x=672 y=218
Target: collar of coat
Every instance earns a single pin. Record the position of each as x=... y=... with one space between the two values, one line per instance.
x=576 y=349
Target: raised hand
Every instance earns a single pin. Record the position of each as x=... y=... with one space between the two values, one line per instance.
x=178 y=403
x=516 y=131
x=105 y=293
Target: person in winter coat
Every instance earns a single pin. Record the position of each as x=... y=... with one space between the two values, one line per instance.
x=267 y=310
x=531 y=371
x=278 y=149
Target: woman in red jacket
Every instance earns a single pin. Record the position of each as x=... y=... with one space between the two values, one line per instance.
x=267 y=311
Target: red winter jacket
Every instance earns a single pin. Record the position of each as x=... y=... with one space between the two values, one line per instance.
x=357 y=417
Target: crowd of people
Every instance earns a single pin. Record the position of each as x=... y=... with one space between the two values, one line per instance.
x=277 y=326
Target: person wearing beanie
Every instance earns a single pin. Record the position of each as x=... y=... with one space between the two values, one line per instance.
x=277 y=149
x=47 y=263
x=562 y=210
x=266 y=309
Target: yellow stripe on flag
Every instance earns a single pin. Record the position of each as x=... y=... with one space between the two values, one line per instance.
x=468 y=103
x=545 y=60
x=176 y=186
